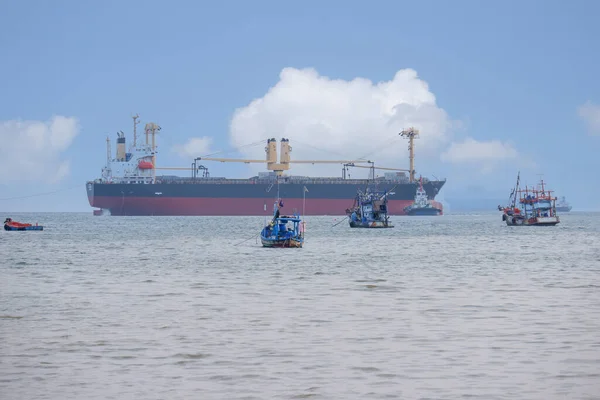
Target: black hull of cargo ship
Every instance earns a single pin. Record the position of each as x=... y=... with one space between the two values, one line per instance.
x=244 y=197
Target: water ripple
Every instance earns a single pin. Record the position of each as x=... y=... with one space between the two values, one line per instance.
x=450 y=307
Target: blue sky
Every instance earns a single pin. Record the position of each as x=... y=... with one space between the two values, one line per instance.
x=514 y=72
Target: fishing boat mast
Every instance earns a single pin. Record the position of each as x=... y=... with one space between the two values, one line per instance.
x=516 y=190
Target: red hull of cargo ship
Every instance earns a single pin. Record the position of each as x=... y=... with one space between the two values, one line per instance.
x=181 y=206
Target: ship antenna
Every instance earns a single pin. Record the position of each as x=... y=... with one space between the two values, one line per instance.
x=108 y=151
x=135 y=122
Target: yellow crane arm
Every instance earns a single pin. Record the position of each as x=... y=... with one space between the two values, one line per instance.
x=325 y=162
x=232 y=160
x=387 y=169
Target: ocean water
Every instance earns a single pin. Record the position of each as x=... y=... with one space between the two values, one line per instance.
x=459 y=306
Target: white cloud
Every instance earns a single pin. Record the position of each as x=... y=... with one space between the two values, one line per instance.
x=471 y=150
x=337 y=119
x=479 y=158
x=32 y=150
x=590 y=113
x=195 y=147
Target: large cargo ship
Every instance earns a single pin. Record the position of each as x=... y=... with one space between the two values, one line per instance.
x=562 y=205
x=130 y=186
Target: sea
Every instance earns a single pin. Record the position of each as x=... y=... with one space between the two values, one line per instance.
x=458 y=306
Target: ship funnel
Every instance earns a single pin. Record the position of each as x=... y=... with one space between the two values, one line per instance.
x=121 y=156
x=271 y=151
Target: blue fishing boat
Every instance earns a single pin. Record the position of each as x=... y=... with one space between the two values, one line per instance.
x=370 y=209
x=10 y=225
x=283 y=230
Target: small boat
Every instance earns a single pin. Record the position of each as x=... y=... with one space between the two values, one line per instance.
x=102 y=212
x=421 y=204
x=562 y=205
x=283 y=230
x=370 y=210
x=536 y=207
x=10 y=225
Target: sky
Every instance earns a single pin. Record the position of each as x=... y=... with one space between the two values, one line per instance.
x=493 y=87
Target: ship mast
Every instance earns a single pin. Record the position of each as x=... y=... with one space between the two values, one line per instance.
x=516 y=191
x=411 y=133
x=135 y=122
x=107 y=150
x=150 y=129
x=542 y=184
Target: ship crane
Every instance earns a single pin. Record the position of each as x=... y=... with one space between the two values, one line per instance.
x=412 y=134
x=284 y=160
x=194 y=168
x=372 y=167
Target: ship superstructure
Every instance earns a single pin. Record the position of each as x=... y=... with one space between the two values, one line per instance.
x=136 y=164
x=129 y=184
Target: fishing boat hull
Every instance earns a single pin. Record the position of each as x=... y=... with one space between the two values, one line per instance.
x=8 y=227
x=281 y=243
x=372 y=224
x=512 y=220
